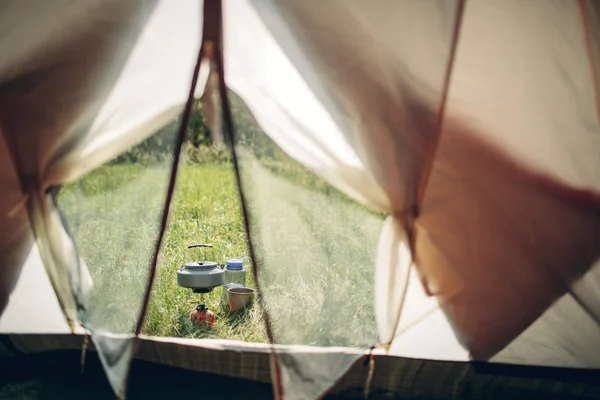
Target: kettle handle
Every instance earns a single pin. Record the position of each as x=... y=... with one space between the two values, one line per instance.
x=199 y=245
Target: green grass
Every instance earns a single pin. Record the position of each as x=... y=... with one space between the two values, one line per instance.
x=205 y=210
x=113 y=214
x=315 y=250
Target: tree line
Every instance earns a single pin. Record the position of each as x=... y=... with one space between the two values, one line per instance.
x=203 y=145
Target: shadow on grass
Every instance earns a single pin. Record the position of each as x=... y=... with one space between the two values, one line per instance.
x=235 y=318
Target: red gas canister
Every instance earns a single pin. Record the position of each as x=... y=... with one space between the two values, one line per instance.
x=202 y=317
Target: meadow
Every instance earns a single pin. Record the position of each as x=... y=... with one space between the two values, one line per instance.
x=315 y=249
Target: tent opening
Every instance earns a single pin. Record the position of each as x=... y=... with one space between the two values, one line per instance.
x=315 y=246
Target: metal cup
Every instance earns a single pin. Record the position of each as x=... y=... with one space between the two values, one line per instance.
x=240 y=298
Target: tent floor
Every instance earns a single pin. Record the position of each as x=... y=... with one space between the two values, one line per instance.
x=56 y=375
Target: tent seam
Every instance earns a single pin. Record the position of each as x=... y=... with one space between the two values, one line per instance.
x=440 y=116
x=428 y=165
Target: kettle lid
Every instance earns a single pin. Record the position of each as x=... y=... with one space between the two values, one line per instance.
x=201 y=265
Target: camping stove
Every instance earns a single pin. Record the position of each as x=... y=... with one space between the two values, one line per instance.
x=202 y=277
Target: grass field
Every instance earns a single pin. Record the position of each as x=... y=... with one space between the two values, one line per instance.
x=315 y=250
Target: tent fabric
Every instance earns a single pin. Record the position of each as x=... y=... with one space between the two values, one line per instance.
x=86 y=83
x=51 y=133
x=110 y=105
x=506 y=184
x=472 y=124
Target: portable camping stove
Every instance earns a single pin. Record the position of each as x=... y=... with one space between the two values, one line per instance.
x=202 y=277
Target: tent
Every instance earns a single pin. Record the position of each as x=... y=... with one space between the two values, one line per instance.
x=472 y=124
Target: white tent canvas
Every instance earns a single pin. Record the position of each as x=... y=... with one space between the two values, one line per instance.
x=473 y=125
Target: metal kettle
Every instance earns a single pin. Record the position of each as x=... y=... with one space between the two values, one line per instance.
x=200 y=276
